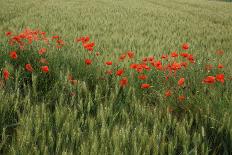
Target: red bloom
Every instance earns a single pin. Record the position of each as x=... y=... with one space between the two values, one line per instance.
x=220 y=78
x=83 y=39
x=42 y=51
x=13 y=55
x=181 y=98
x=130 y=54
x=139 y=68
x=145 y=86
x=142 y=77
x=86 y=39
x=45 y=69
x=28 y=67
x=174 y=54
x=6 y=74
x=191 y=58
x=122 y=57
x=220 y=66
x=185 y=46
x=59 y=43
x=55 y=37
x=181 y=82
x=219 y=52
x=146 y=67
x=109 y=63
x=209 y=80
x=158 y=65
x=119 y=72
x=175 y=66
x=8 y=33
x=89 y=46
x=168 y=93
x=164 y=56
x=144 y=59
x=151 y=58
x=185 y=55
x=133 y=66
x=123 y=82
x=88 y=61
x=184 y=64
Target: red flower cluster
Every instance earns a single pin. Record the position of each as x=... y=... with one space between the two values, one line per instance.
x=213 y=79
x=85 y=43
x=148 y=71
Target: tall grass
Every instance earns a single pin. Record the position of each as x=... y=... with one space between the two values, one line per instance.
x=97 y=116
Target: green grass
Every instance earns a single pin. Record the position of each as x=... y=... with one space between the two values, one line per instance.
x=104 y=118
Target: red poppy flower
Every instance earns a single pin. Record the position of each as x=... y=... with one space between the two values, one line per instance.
x=144 y=59
x=59 y=43
x=83 y=39
x=119 y=72
x=145 y=86
x=146 y=67
x=89 y=46
x=181 y=98
x=130 y=54
x=139 y=68
x=6 y=74
x=122 y=57
x=181 y=82
x=174 y=54
x=45 y=69
x=175 y=66
x=88 y=61
x=164 y=56
x=86 y=39
x=191 y=58
x=219 y=52
x=55 y=37
x=184 y=64
x=8 y=33
x=185 y=46
x=185 y=55
x=220 y=78
x=123 y=82
x=209 y=80
x=168 y=93
x=142 y=77
x=42 y=51
x=13 y=55
x=220 y=66
x=109 y=63
x=28 y=67
x=158 y=65
x=133 y=66
x=151 y=58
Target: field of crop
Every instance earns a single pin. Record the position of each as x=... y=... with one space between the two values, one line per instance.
x=115 y=77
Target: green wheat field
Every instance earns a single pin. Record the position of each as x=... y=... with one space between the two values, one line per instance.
x=115 y=77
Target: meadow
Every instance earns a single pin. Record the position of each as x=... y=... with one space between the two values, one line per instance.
x=115 y=77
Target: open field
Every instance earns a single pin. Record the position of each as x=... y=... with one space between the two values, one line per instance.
x=75 y=108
